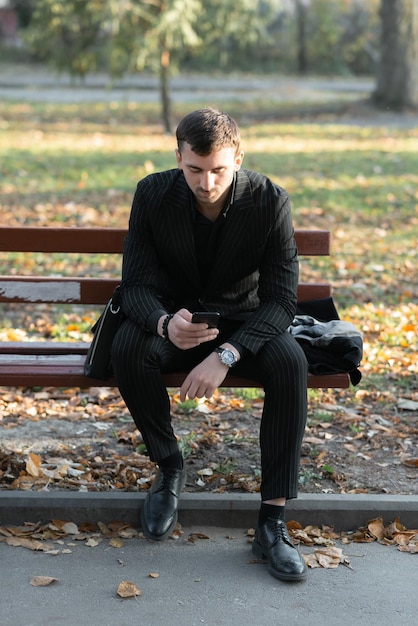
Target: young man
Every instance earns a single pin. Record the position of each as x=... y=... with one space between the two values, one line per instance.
x=210 y=236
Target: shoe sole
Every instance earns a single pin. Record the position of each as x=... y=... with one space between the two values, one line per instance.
x=258 y=551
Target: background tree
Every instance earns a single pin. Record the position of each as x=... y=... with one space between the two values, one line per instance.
x=301 y=19
x=397 y=75
x=69 y=34
x=234 y=31
x=154 y=34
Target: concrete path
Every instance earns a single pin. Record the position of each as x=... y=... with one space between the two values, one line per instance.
x=38 y=84
x=212 y=581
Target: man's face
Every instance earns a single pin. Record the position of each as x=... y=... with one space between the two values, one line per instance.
x=209 y=177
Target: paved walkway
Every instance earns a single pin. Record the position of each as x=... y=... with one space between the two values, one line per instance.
x=42 y=85
x=211 y=581
x=39 y=84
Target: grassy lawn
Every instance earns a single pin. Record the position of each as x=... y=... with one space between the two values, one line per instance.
x=78 y=165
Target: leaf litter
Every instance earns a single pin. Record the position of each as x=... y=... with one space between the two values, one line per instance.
x=356 y=441
x=49 y=538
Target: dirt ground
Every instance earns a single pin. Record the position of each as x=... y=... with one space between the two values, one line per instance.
x=87 y=441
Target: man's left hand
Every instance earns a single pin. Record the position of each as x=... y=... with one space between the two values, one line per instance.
x=203 y=379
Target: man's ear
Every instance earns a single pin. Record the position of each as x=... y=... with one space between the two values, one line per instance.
x=178 y=158
x=238 y=160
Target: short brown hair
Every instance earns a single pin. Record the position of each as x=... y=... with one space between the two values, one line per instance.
x=208 y=130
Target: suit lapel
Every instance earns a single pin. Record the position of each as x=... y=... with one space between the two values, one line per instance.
x=237 y=221
x=179 y=223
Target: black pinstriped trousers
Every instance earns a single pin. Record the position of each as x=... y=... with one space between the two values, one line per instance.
x=139 y=358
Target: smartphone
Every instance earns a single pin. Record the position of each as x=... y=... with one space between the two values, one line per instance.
x=210 y=318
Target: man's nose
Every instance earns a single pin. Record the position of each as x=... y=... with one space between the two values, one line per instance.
x=206 y=181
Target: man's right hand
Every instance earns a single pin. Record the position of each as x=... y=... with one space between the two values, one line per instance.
x=183 y=333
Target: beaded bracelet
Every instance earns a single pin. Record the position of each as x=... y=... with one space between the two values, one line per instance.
x=164 y=328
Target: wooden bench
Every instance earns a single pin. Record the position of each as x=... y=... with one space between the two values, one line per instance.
x=60 y=364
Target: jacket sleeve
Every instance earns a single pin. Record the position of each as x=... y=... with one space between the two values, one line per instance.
x=141 y=271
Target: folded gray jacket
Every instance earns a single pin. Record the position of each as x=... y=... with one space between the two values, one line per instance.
x=330 y=347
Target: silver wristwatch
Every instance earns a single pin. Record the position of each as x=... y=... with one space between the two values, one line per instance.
x=227 y=356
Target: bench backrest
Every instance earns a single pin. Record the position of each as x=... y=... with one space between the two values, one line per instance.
x=97 y=290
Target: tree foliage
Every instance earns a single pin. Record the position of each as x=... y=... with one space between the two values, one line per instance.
x=69 y=34
x=132 y=35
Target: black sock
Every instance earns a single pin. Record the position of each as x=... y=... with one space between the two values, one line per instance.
x=272 y=511
x=174 y=461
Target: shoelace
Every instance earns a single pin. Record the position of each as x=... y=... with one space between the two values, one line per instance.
x=166 y=479
x=280 y=530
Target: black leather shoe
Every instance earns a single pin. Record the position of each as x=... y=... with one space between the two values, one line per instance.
x=272 y=542
x=159 y=513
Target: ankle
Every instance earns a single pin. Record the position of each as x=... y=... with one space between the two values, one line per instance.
x=270 y=511
x=174 y=461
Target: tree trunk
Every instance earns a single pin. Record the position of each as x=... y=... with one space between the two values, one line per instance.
x=302 y=60
x=164 y=90
x=397 y=74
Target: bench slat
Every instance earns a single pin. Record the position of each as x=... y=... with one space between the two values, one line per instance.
x=56 y=290
x=110 y=240
x=66 y=370
x=41 y=239
x=95 y=290
x=44 y=347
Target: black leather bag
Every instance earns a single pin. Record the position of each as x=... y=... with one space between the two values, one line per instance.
x=98 y=360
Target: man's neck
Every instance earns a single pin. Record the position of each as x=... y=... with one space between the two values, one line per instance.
x=212 y=211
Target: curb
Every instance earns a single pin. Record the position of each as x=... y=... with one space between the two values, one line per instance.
x=341 y=511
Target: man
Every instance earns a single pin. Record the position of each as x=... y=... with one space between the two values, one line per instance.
x=210 y=236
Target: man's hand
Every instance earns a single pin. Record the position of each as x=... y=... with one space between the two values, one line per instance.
x=203 y=379
x=185 y=335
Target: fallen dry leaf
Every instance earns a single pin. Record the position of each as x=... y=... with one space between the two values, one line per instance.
x=328 y=558
x=93 y=542
x=409 y=461
x=30 y=544
x=33 y=465
x=177 y=532
x=127 y=589
x=376 y=528
x=42 y=581
x=194 y=536
x=412 y=548
x=116 y=542
x=70 y=528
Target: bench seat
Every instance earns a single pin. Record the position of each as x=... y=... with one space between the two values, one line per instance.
x=57 y=368
x=60 y=364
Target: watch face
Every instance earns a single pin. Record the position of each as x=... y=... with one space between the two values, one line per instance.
x=227 y=357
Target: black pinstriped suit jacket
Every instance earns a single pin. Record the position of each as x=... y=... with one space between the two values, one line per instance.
x=256 y=266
